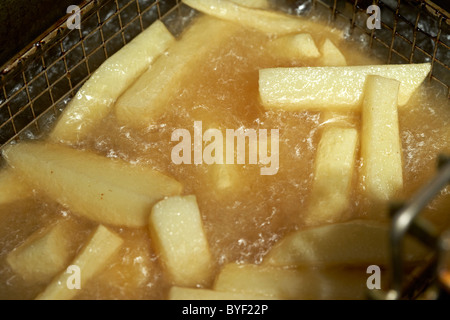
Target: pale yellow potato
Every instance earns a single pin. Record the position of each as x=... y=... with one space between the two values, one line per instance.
x=260 y=19
x=341 y=119
x=333 y=171
x=294 y=283
x=381 y=149
x=96 y=97
x=178 y=236
x=331 y=55
x=43 y=255
x=110 y=191
x=225 y=177
x=92 y=259
x=12 y=187
x=296 y=46
x=261 y=4
x=132 y=273
x=354 y=243
x=332 y=88
x=150 y=95
x=179 y=293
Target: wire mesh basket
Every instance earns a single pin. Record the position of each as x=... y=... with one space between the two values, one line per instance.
x=38 y=83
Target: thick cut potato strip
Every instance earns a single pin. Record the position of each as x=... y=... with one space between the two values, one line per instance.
x=296 y=46
x=294 y=283
x=150 y=95
x=176 y=228
x=179 y=293
x=339 y=119
x=12 y=187
x=332 y=88
x=226 y=177
x=333 y=172
x=381 y=148
x=331 y=55
x=355 y=243
x=92 y=259
x=106 y=190
x=261 y=4
x=259 y=19
x=95 y=98
x=43 y=255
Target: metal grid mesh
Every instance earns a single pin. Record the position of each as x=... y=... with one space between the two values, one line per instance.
x=38 y=84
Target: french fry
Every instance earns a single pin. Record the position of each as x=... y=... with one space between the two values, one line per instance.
x=259 y=19
x=43 y=255
x=339 y=119
x=333 y=172
x=130 y=275
x=331 y=55
x=296 y=46
x=381 y=149
x=292 y=283
x=105 y=190
x=95 y=98
x=92 y=259
x=12 y=187
x=222 y=177
x=261 y=4
x=176 y=229
x=225 y=176
x=179 y=293
x=354 y=243
x=332 y=88
x=150 y=95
